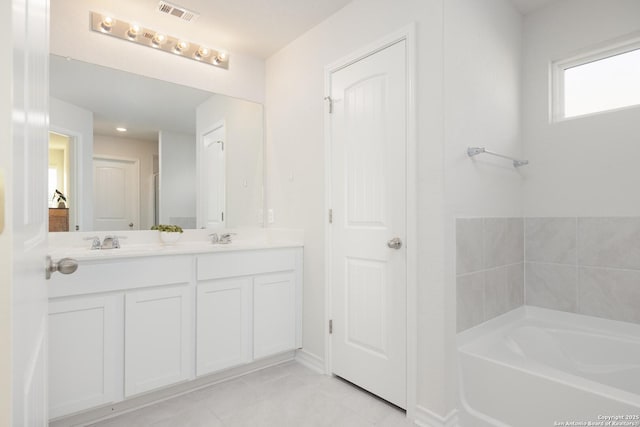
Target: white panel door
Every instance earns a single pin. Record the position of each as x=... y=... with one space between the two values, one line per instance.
x=223 y=324
x=23 y=242
x=85 y=353
x=212 y=177
x=368 y=174
x=274 y=314
x=157 y=338
x=116 y=189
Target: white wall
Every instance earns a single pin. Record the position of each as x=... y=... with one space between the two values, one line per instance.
x=133 y=149
x=482 y=57
x=71 y=36
x=294 y=111
x=585 y=166
x=244 y=155
x=177 y=176
x=77 y=122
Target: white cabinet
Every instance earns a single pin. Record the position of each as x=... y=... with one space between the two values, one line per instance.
x=223 y=324
x=274 y=314
x=85 y=348
x=122 y=327
x=157 y=338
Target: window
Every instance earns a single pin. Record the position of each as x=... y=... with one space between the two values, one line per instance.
x=605 y=80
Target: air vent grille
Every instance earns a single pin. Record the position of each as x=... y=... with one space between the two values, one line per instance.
x=177 y=11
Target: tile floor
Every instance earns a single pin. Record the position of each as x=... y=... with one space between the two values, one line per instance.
x=280 y=396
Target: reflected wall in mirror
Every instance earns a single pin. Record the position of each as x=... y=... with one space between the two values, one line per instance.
x=141 y=151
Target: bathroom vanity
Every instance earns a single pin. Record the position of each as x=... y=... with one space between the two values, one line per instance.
x=146 y=316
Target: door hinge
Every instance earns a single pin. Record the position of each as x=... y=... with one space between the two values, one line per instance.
x=330 y=326
x=328 y=98
x=330 y=216
x=222 y=216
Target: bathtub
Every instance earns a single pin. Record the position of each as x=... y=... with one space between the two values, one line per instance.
x=534 y=367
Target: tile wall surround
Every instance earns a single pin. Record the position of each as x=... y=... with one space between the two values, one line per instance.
x=583 y=265
x=489 y=268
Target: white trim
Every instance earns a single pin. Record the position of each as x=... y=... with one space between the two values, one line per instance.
x=607 y=49
x=310 y=360
x=76 y=185
x=426 y=418
x=407 y=34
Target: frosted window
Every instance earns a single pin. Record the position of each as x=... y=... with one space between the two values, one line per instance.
x=601 y=85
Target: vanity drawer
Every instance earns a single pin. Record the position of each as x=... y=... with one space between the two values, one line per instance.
x=122 y=274
x=245 y=263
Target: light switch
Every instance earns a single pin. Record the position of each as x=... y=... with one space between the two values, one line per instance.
x=271 y=216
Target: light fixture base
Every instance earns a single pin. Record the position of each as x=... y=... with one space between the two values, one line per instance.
x=137 y=34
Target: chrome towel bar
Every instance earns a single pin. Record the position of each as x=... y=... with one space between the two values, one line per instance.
x=474 y=151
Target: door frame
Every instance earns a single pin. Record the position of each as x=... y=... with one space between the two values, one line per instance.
x=76 y=187
x=136 y=165
x=408 y=35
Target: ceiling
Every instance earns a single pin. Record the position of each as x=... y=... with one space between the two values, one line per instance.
x=254 y=27
x=118 y=98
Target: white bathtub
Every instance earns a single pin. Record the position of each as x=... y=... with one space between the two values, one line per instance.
x=535 y=368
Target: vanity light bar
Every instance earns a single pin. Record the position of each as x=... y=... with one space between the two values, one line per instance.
x=147 y=37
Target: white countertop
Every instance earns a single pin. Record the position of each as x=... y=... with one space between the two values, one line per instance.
x=147 y=243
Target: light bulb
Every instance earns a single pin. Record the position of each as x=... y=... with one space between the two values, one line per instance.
x=181 y=46
x=202 y=52
x=133 y=32
x=158 y=39
x=107 y=23
x=222 y=56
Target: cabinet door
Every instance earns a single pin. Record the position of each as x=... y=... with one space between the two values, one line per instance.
x=223 y=324
x=274 y=314
x=85 y=353
x=157 y=338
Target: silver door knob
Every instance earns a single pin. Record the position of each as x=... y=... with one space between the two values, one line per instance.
x=130 y=225
x=64 y=266
x=395 y=243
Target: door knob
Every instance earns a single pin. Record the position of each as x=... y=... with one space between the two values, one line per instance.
x=130 y=225
x=64 y=266
x=395 y=243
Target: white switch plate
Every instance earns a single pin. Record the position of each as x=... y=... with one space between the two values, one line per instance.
x=271 y=218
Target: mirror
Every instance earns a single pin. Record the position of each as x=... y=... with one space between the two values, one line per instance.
x=140 y=151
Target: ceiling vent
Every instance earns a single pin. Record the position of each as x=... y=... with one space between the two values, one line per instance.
x=177 y=11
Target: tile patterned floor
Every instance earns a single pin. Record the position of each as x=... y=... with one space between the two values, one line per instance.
x=287 y=395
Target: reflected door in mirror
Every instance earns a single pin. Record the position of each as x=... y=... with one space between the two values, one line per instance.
x=116 y=194
x=213 y=171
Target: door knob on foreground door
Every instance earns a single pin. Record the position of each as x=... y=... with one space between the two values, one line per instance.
x=395 y=243
x=64 y=266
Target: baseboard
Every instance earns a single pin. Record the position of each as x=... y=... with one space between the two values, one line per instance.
x=426 y=418
x=310 y=360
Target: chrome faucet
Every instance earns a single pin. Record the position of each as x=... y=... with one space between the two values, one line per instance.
x=111 y=242
x=95 y=242
x=223 y=239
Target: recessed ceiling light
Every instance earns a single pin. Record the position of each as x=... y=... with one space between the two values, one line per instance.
x=121 y=129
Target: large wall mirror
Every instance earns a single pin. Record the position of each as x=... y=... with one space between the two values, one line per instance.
x=127 y=152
